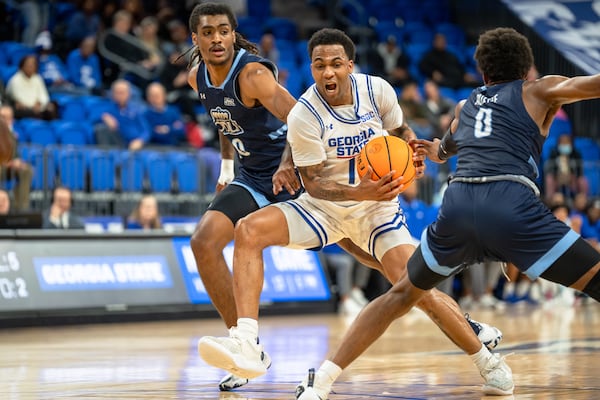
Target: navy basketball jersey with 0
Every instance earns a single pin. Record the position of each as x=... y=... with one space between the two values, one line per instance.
x=258 y=137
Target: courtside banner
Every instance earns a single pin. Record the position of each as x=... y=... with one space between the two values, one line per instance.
x=290 y=275
x=71 y=274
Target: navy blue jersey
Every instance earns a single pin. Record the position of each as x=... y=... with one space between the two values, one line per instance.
x=496 y=135
x=258 y=137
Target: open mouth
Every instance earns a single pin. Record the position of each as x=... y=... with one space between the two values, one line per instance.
x=330 y=87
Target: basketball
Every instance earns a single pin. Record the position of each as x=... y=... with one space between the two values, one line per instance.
x=7 y=142
x=384 y=154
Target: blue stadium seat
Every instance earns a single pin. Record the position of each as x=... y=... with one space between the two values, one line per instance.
x=38 y=131
x=73 y=109
x=588 y=147
x=95 y=107
x=187 y=172
x=132 y=171
x=591 y=170
x=102 y=167
x=160 y=172
x=71 y=132
x=282 y=28
x=72 y=167
x=6 y=72
x=454 y=34
x=44 y=166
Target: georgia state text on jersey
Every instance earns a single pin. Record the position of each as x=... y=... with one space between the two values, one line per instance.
x=320 y=133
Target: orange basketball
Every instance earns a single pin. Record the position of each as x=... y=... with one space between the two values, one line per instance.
x=384 y=154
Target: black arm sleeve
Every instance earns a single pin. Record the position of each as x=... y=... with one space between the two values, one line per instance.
x=447 y=147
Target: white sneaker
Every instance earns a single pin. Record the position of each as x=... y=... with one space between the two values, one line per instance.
x=349 y=307
x=231 y=381
x=306 y=390
x=489 y=335
x=241 y=357
x=489 y=301
x=359 y=297
x=498 y=377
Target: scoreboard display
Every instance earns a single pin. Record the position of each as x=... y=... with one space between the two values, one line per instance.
x=115 y=272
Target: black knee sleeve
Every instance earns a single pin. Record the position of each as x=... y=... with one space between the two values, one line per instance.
x=592 y=289
x=419 y=273
x=573 y=264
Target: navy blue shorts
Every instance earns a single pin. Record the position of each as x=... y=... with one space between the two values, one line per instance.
x=502 y=221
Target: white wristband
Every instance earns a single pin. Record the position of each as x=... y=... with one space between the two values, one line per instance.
x=227 y=174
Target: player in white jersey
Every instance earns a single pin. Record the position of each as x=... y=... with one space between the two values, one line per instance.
x=327 y=127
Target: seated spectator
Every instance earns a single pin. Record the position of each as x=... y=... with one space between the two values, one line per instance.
x=390 y=62
x=440 y=108
x=59 y=215
x=415 y=111
x=165 y=121
x=28 y=93
x=85 y=22
x=127 y=53
x=4 y=202
x=443 y=67
x=174 y=78
x=145 y=215
x=148 y=35
x=16 y=167
x=124 y=124
x=563 y=170
x=267 y=48
x=52 y=68
x=83 y=65
x=581 y=203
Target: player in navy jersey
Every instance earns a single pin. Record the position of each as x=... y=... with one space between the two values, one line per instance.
x=491 y=209
x=249 y=107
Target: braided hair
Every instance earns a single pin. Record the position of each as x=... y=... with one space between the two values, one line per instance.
x=216 y=9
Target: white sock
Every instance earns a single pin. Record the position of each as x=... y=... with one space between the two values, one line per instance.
x=327 y=374
x=247 y=328
x=481 y=357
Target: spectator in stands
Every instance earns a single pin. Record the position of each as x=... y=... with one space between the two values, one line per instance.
x=581 y=204
x=124 y=124
x=440 y=108
x=59 y=215
x=415 y=111
x=390 y=62
x=28 y=93
x=52 y=69
x=267 y=48
x=125 y=53
x=175 y=72
x=443 y=67
x=84 y=23
x=4 y=202
x=564 y=170
x=166 y=123
x=145 y=215
x=83 y=65
x=147 y=33
x=16 y=167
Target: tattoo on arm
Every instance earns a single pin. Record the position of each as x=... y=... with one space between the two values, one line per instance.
x=321 y=187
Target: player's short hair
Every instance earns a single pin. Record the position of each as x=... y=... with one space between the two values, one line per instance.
x=211 y=9
x=503 y=54
x=328 y=36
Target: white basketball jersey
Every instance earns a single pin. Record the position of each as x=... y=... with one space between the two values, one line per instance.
x=318 y=132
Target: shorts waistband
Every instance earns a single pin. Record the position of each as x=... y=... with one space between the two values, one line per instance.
x=495 y=178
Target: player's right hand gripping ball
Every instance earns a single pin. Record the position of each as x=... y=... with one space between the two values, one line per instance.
x=384 y=154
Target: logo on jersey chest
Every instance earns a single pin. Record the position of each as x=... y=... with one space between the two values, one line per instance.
x=226 y=125
x=229 y=102
x=350 y=146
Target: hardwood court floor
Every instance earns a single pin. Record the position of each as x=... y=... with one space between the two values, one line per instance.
x=557 y=356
